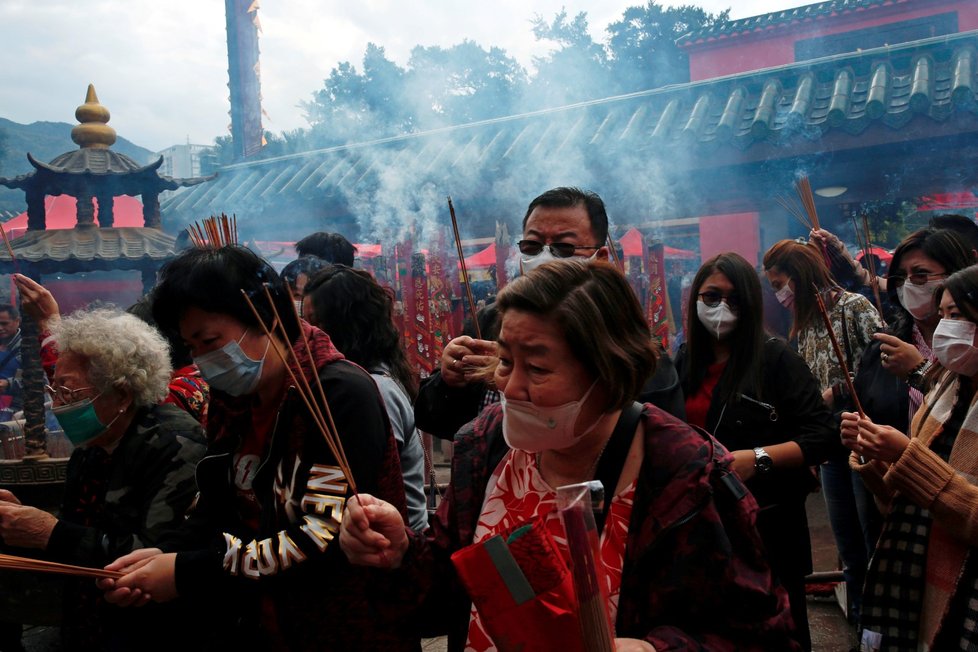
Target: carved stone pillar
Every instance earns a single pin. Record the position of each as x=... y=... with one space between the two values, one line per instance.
x=151 y=210
x=36 y=213
x=35 y=433
x=106 y=217
x=84 y=210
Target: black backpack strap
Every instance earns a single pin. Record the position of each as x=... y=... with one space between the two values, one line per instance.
x=613 y=458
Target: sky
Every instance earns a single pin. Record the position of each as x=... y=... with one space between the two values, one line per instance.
x=161 y=67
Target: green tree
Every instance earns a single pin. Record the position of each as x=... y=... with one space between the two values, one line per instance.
x=642 y=45
x=576 y=70
x=463 y=83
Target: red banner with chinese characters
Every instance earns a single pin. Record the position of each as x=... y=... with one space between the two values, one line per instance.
x=656 y=311
x=440 y=303
x=421 y=351
x=405 y=288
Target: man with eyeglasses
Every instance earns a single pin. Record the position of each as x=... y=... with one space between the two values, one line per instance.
x=560 y=224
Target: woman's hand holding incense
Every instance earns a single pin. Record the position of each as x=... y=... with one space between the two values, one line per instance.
x=36 y=301
x=633 y=645
x=872 y=440
x=373 y=533
x=149 y=575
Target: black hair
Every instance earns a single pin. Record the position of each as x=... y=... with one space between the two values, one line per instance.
x=331 y=247
x=960 y=224
x=357 y=313
x=743 y=371
x=179 y=351
x=567 y=197
x=10 y=308
x=212 y=280
x=307 y=265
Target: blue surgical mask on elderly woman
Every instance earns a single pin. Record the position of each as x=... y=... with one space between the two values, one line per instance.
x=533 y=429
x=80 y=422
x=230 y=370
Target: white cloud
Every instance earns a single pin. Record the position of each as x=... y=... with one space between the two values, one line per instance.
x=161 y=68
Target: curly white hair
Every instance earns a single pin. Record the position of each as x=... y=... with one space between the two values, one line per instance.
x=123 y=352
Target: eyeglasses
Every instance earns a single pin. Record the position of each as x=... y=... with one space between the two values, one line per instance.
x=558 y=249
x=65 y=395
x=712 y=299
x=917 y=278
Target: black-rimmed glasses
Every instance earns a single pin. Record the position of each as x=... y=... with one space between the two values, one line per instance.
x=558 y=249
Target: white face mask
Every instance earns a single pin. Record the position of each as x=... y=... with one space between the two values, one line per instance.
x=533 y=429
x=530 y=263
x=954 y=346
x=719 y=320
x=919 y=299
x=786 y=296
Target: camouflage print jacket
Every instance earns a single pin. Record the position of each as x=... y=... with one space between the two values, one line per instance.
x=149 y=488
x=694 y=576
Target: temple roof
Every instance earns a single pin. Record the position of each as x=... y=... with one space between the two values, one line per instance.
x=782 y=19
x=894 y=94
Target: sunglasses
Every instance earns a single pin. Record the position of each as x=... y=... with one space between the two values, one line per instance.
x=713 y=299
x=917 y=278
x=558 y=249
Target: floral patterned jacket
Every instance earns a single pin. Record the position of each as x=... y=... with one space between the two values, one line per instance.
x=694 y=576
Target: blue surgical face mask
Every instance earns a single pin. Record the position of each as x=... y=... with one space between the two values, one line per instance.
x=230 y=370
x=80 y=422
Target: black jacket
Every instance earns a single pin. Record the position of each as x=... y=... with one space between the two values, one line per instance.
x=789 y=408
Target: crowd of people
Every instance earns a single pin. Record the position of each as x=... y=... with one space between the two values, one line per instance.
x=248 y=452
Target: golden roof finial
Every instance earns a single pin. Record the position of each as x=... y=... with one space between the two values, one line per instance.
x=93 y=132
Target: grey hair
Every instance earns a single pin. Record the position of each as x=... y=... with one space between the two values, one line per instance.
x=123 y=352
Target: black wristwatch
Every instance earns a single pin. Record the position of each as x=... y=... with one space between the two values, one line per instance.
x=916 y=376
x=762 y=461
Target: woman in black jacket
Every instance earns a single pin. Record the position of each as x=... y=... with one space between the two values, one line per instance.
x=760 y=400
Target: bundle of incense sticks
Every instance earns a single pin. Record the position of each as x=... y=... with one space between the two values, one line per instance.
x=865 y=241
x=576 y=504
x=214 y=232
x=805 y=213
x=11 y=562
x=324 y=421
x=838 y=350
x=465 y=272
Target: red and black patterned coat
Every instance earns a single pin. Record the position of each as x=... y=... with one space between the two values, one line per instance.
x=694 y=575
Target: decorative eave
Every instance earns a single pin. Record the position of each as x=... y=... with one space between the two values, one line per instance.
x=782 y=21
x=90 y=245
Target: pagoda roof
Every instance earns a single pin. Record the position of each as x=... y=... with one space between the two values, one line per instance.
x=88 y=248
x=784 y=19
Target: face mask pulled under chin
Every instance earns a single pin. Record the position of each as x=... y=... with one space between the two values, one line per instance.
x=530 y=263
x=230 y=370
x=533 y=429
x=719 y=320
x=919 y=299
x=954 y=346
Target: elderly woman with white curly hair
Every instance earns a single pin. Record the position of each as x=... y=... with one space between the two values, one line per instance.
x=130 y=479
